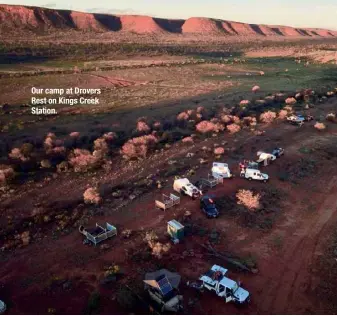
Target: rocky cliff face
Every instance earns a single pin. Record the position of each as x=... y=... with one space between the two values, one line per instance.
x=36 y=19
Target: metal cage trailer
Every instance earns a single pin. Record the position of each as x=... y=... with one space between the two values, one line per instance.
x=211 y=181
x=167 y=201
x=99 y=233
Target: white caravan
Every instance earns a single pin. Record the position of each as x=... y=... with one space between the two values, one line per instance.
x=221 y=170
x=185 y=187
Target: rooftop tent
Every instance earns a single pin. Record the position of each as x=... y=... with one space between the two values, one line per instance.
x=163 y=280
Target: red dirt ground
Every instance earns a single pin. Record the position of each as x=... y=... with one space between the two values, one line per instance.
x=33 y=277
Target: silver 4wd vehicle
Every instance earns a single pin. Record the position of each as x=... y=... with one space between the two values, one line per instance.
x=215 y=280
x=296 y=119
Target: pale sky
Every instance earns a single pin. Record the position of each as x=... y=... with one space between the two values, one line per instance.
x=298 y=13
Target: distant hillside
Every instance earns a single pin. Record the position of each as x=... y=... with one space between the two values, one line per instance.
x=35 y=19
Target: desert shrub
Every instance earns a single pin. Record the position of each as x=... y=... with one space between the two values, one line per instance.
x=45 y=164
x=236 y=119
x=208 y=127
x=233 y=128
x=110 y=136
x=331 y=117
x=142 y=127
x=101 y=148
x=188 y=140
x=183 y=116
x=62 y=167
x=270 y=98
x=288 y=109
x=82 y=160
x=282 y=114
x=190 y=112
x=74 y=134
x=320 y=126
x=49 y=141
x=25 y=238
x=60 y=150
x=158 y=248
x=290 y=101
x=16 y=154
x=256 y=89
x=244 y=103
x=198 y=116
x=249 y=121
x=219 y=151
x=139 y=146
x=27 y=149
x=225 y=118
x=268 y=117
x=248 y=199
x=157 y=125
x=6 y=174
x=91 y=196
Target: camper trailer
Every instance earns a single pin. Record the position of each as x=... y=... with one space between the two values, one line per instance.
x=162 y=286
x=221 y=170
x=185 y=187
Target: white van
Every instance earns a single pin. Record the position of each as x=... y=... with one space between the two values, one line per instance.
x=254 y=174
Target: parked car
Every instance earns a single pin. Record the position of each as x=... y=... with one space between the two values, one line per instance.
x=305 y=118
x=295 y=120
x=254 y=174
x=216 y=281
x=208 y=207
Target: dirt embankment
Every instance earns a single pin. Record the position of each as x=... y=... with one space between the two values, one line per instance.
x=36 y=19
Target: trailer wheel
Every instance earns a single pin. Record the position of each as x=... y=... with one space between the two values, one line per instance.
x=250 y=179
x=265 y=181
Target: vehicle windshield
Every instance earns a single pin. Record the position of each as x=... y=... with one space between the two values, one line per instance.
x=235 y=287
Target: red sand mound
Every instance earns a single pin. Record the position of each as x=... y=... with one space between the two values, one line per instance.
x=202 y=26
x=140 y=24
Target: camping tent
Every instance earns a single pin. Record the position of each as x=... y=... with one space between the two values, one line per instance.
x=152 y=278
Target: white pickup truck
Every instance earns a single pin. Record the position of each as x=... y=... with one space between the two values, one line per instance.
x=185 y=187
x=216 y=281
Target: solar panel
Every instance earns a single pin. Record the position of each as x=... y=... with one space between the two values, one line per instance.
x=164 y=285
